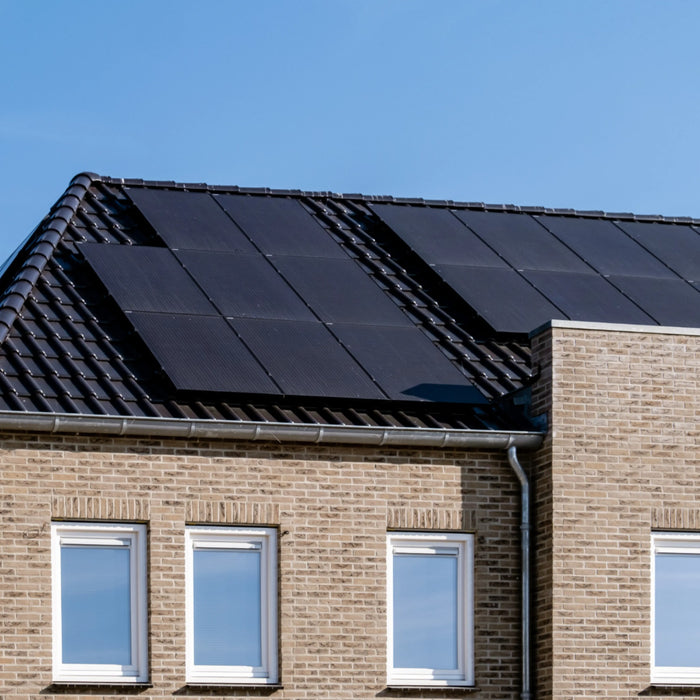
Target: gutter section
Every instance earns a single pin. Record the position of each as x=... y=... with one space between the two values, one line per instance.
x=70 y=423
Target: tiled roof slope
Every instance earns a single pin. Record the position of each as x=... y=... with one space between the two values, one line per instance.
x=67 y=347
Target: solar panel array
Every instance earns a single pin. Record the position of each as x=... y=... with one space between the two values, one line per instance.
x=517 y=271
x=252 y=295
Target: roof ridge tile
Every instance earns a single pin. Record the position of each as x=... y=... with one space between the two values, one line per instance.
x=40 y=246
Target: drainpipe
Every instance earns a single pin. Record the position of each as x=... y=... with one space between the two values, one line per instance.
x=526 y=692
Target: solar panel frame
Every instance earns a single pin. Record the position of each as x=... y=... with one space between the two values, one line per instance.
x=677 y=245
x=437 y=235
x=587 y=297
x=339 y=291
x=406 y=365
x=305 y=359
x=201 y=353
x=670 y=302
x=189 y=220
x=280 y=226
x=522 y=241
x=604 y=246
x=242 y=285
x=145 y=278
x=501 y=297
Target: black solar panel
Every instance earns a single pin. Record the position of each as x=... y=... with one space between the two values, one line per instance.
x=304 y=359
x=676 y=245
x=604 y=246
x=339 y=290
x=244 y=285
x=191 y=220
x=280 y=226
x=587 y=297
x=142 y=278
x=671 y=302
x=522 y=241
x=201 y=353
x=405 y=364
x=501 y=297
x=437 y=235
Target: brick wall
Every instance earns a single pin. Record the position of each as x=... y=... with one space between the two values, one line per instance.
x=332 y=506
x=623 y=413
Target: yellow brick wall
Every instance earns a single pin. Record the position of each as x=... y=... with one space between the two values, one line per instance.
x=624 y=437
x=333 y=506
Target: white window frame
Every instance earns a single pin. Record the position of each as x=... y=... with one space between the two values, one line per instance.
x=671 y=543
x=264 y=540
x=457 y=544
x=128 y=535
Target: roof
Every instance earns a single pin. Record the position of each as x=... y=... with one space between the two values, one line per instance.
x=157 y=299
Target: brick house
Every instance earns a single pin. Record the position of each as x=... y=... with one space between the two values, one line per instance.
x=304 y=445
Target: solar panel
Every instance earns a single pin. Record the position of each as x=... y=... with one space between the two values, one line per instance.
x=191 y=220
x=436 y=235
x=676 y=245
x=304 y=359
x=671 y=302
x=143 y=278
x=244 y=285
x=522 y=241
x=604 y=246
x=501 y=297
x=201 y=353
x=587 y=297
x=280 y=226
x=339 y=290
x=405 y=364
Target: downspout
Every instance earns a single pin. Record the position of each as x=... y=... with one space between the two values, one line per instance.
x=526 y=692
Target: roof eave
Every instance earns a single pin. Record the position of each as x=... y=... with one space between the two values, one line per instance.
x=120 y=426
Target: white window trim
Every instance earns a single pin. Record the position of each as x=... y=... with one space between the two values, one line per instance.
x=431 y=543
x=105 y=534
x=670 y=543
x=264 y=539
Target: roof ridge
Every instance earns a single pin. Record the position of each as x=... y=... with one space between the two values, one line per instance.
x=39 y=248
x=321 y=194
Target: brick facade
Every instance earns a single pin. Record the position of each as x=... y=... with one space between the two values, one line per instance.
x=332 y=506
x=621 y=460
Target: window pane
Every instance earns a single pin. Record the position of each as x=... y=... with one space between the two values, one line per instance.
x=677 y=610
x=425 y=611
x=95 y=605
x=227 y=612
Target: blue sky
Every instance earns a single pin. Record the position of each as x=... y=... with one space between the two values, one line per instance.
x=560 y=103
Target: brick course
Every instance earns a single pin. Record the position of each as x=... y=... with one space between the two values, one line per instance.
x=333 y=507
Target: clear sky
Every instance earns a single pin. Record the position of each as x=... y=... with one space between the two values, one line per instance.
x=563 y=103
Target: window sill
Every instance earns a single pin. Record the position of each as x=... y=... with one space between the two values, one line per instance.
x=223 y=689
x=400 y=691
x=93 y=687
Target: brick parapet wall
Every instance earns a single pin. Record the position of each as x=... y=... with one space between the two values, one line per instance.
x=333 y=507
x=623 y=453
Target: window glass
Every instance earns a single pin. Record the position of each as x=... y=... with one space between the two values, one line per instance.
x=99 y=602
x=425 y=611
x=231 y=576
x=678 y=609
x=95 y=605
x=227 y=615
x=430 y=587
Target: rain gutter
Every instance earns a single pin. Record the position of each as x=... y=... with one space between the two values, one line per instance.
x=66 y=423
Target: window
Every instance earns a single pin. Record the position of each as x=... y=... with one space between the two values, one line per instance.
x=676 y=608
x=430 y=608
x=231 y=605
x=99 y=602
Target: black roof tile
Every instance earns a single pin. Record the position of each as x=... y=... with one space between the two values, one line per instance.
x=67 y=346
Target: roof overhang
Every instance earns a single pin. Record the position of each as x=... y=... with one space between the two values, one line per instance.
x=267 y=432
